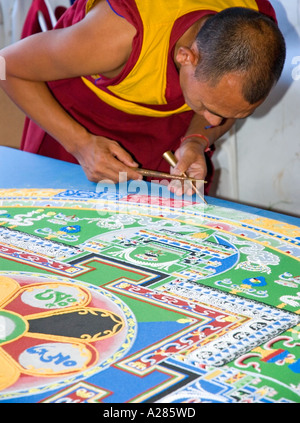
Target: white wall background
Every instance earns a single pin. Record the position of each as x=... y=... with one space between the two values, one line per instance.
x=258 y=163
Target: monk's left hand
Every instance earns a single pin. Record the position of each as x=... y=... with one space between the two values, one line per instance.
x=191 y=160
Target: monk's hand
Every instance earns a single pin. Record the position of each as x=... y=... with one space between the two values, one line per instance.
x=191 y=160
x=104 y=159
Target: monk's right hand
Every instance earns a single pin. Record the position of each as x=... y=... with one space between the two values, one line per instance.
x=104 y=159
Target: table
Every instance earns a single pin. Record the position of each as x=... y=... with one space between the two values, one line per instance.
x=19 y=169
x=129 y=295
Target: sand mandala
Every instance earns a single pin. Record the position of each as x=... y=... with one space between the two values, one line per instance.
x=129 y=298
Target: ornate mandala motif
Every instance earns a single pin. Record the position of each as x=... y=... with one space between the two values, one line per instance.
x=52 y=330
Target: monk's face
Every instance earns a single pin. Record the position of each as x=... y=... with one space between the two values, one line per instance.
x=217 y=102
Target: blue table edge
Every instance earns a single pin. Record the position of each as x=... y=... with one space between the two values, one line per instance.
x=19 y=169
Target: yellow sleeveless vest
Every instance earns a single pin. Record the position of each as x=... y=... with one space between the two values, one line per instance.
x=146 y=82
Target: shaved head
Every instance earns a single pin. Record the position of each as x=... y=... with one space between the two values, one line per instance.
x=245 y=42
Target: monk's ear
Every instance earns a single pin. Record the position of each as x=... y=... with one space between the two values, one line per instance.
x=187 y=56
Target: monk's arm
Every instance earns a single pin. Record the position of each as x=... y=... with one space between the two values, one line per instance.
x=100 y=43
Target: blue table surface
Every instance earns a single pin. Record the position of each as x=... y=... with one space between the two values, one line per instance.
x=19 y=169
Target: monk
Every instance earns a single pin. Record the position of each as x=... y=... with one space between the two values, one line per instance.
x=118 y=83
